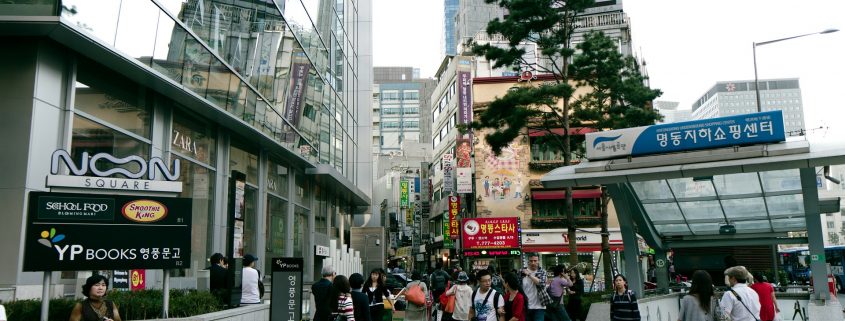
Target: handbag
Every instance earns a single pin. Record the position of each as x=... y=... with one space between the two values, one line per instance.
x=415 y=295
x=388 y=305
x=450 y=305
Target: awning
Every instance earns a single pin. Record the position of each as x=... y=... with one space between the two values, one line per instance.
x=559 y=131
x=564 y=248
x=561 y=194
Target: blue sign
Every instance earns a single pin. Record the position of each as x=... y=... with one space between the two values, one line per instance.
x=748 y=129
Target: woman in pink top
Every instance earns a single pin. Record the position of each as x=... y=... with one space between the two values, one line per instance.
x=768 y=302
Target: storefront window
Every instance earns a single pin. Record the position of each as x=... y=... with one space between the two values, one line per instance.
x=108 y=99
x=250 y=216
x=244 y=162
x=277 y=181
x=300 y=231
x=301 y=193
x=193 y=139
x=95 y=138
x=587 y=207
x=198 y=185
x=276 y=231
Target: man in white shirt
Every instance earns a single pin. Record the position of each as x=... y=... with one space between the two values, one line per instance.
x=249 y=285
x=487 y=304
x=533 y=281
x=741 y=302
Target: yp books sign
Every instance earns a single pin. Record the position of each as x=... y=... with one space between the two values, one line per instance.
x=73 y=232
x=749 y=129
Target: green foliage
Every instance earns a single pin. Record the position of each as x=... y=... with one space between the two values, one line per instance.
x=134 y=305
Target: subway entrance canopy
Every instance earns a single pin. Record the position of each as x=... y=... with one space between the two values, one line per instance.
x=678 y=186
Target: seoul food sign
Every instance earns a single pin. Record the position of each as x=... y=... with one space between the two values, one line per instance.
x=73 y=232
x=490 y=233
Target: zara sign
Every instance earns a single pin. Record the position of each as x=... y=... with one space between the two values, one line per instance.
x=102 y=174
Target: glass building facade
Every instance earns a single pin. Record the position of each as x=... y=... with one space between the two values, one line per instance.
x=266 y=88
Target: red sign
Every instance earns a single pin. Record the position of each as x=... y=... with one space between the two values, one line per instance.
x=490 y=233
x=137 y=280
x=454 y=208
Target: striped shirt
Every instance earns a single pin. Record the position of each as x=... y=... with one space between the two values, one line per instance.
x=623 y=307
x=344 y=308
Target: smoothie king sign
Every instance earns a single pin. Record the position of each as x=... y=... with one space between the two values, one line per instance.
x=71 y=232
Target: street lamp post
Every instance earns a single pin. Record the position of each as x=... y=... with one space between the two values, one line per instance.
x=754 y=50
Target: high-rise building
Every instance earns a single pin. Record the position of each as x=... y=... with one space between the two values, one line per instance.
x=671 y=113
x=450 y=10
x=261 y=105
x=399 y=110
x=728 y=98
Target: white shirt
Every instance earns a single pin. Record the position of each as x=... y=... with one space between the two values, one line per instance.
x=463 y=296
x=249 y=286
x=486 y=311
x=2 y=313
x=731 y=306
x=531 y=294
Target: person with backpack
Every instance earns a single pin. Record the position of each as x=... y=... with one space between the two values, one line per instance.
x=623 y=303
x=416 y=294
x=487 y=304
x=439 y=279
x=463 y=298
x=498 y=283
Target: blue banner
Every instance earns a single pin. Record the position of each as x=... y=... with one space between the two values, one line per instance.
x=748 y=129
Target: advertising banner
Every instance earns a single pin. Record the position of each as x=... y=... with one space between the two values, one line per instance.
x=286 y=292
x=447 y=241
x=403 y=193
x=464 y=180
x=120 y=280
x=77 y=232
x=296 y=95
x=748 y=129
x=454 y=209
x=490 y=233
x=464 y=102
x=138 y=279
x=448 y=178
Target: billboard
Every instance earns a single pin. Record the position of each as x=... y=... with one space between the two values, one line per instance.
x=77 y=232
x=490 y=233
x=748 y=129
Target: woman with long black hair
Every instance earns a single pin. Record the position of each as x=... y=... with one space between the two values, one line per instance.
x=515 y=304
x=573 y=306
x=376 y=292
x=697 y=304
x=341 y=294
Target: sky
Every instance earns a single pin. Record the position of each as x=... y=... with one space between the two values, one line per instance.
x=688 y=46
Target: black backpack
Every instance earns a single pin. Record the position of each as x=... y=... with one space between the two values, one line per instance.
x=495 y=300
x=438 y=280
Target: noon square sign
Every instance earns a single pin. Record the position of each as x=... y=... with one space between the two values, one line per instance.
x=72 y=232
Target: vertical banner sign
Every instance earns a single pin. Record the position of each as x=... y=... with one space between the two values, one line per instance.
x=447 y=240
x=293 y=104
x=409 y=217
x=286 y=292
x=403 y=194
x=454 y=208
x=448 y=179
x=463 y=144
x=138 y=280
x=412 y=187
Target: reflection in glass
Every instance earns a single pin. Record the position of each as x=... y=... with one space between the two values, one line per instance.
x=755 y=226
x=672 y=229
x=136 y=33
x=167 y=61
x=193 y=138
x=95 y=16
x=687 y=187
x=789 y=224
x=113 y=101
x=786 y=205
x=705 y=228
x=250 y=216
x=736 y=184
x=244 y=162
x=198 y=185
x=277 y=182
x=94 y=138
x=276 y=231
x=300 y=226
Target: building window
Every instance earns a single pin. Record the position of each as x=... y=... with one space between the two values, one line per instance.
x=411 y=95
x=390 y=124
x=411 y=110
x=390 y=95
x=390 y=111
x=587 y=207
x=411 y=124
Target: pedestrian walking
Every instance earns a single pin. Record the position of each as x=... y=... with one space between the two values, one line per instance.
x=463 y=297
x=515 y=304
x=623 y=303
x=573 y=305
x=740 y=302
x=766 y=293
x=487 y=304
x=439 y=279
x=534 y=285
x=360 y=301
x=416 y=309
x=376 y=293
x=697 y=305
x=95 y=307
x=321 y=292
x=560 y=283
x=343 y=310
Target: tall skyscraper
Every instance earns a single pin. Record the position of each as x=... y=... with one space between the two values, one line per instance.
x=450 y=10
x=253 y=104
x=727 y=98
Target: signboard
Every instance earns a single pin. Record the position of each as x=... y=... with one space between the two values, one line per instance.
x=748 y=129
x=90 y=165
x=454 y=209
x=490 y=233
x=560 y=236
x=286 y=292
x=447 y=241
x=464 y=180
x=491 y=253
x=77 y=232
x=120 y=280
x=138 y=280
x=404 y=251
x=320 y=250
x=293 y=103
x=403 y=193
x=448 y=179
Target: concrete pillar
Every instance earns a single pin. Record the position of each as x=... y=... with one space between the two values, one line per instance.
x=661 y=272
x=815 y=236
x=629 y=238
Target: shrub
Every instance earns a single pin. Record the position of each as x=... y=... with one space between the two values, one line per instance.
x=135 y=305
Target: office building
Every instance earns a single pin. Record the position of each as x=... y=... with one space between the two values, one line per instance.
x=728 y=98
x=671 y=113
x=279 y=92
x=450 y=11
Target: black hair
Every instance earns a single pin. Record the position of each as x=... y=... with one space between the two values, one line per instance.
x=416 y=276
x=379 y=281
x=623 y=279
x=356 y=280
x=513 y=282
x=557 y=270
x=702 y=287
x=340 y=285
x=216 y=258
x=481 y=274
x=91 y=281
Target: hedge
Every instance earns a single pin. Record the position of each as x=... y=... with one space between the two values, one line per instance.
x=135 y=305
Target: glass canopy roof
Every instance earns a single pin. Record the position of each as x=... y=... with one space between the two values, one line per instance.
x=755 y=202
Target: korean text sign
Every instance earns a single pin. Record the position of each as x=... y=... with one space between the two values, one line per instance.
x=454 y=208
x=286 y=295
x=490 y=233
x=748 y=129
x=403 y=193
x=74 y=232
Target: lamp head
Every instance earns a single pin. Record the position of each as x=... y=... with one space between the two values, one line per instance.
x=829 y=31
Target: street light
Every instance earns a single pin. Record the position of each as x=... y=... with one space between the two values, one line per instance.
x=756 y=44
